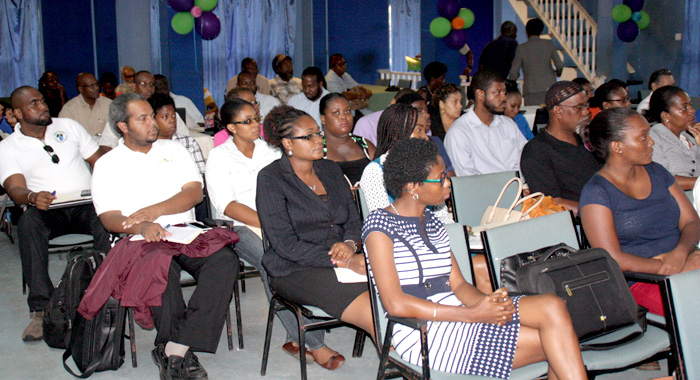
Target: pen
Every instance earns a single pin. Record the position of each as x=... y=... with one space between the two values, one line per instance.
x=53 y=192
x=166 y=227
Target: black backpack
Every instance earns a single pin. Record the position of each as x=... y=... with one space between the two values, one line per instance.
x=66 y=297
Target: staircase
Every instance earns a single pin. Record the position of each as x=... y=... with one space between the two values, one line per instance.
x=575 y=31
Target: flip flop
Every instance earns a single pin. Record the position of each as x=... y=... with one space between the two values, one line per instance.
x=293 y=350
x=334 y=362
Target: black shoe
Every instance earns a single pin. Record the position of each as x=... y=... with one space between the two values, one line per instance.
x=170 y=367
x=192 y=368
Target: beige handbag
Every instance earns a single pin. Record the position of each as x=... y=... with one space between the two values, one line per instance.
x=495 y=216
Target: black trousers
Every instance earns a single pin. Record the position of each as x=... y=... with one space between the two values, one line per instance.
x=36 y=228
x=199 y=324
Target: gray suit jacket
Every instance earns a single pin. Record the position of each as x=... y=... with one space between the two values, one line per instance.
x=535 y=57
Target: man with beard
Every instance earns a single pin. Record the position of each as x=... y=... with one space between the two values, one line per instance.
x=556 y=162
x=483 y=140
x=89 y=109
x=313 y=87
x=45 y=158
x=265 y=102
x=284 y=85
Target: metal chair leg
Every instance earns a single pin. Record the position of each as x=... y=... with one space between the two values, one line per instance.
x=268 y=335
x=132 y=336
x=302 y=344
x=239 y=319
x=359 y=345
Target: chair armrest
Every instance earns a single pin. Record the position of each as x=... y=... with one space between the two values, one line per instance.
x=218 y=223
x=649 y=278
x=413 y=323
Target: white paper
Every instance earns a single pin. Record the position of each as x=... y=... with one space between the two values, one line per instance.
x=348 y=276
x=475 y=242
x=182 y=235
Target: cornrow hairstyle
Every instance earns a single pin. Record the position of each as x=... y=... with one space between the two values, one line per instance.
x=230 y=110
x=660 y=101
x=396 y=123
x=327 y=99
x=279 y=123
x=409 y=161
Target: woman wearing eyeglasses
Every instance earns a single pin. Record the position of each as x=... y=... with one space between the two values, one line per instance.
x=352 y=153
x=613 y=94
x=237 y=93
x=309 y=217
x=676 y=134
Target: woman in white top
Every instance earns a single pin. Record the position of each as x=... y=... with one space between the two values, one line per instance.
x=231 y=180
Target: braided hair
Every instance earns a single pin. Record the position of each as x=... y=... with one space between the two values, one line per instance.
x=279 y=123
x=396 y=123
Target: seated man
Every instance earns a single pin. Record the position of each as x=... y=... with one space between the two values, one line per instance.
x=139 y=187
x=284 y=85
x=248 y=65
x=483 y=140
x=313 y=89
x=89 y=109
x=265 y=102
x=339 y=80
x=44 y=158
x=555 y=161
x=191 y=111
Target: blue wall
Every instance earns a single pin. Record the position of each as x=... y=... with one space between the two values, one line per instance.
x=68 y=48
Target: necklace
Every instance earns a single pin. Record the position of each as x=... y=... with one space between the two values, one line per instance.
x=313 y=188
x=395 y=210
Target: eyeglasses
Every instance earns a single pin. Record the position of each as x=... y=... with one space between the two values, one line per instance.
x=256 y=119
x=309 y=136
x=49 y=150
x=624 y=100
x=441 y=180
x=146 y=84
x=578 y=107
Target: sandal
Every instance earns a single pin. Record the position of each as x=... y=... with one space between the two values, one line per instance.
x=293 y=350
x=334 y=362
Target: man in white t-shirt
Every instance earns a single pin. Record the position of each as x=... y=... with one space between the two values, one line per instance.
x=142 y=186
x=313 y=89
x=45 y=158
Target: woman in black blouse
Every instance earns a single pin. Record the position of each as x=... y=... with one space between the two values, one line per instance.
x=309 y=217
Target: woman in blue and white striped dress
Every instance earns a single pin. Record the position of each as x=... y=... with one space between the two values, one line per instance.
x=469 y=332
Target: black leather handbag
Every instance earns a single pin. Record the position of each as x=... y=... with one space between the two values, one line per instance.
x=592 y=285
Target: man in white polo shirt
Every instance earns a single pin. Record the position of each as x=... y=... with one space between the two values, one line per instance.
x=140 y=187
x=45 y=158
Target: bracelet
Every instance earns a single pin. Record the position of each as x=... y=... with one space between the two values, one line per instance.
x=348 y=263
x=29 y=201
x=353 y=243
x=435 y=312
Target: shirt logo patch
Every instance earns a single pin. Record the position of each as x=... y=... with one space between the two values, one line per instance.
x=60 y=136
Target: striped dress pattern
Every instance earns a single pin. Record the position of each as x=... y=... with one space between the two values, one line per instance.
x=466 y=348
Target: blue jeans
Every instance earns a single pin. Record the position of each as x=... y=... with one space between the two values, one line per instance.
x=250 y=249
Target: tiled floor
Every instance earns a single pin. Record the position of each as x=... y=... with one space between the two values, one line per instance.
x=21 y=360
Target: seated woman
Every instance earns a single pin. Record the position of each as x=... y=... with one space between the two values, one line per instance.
x=310 y=219
x=489 y=333
x=231 y=174
x=613 y=94
x=352 y=153
x=445 y=108
x=633 y=207
x=237 y=93
x=513 y=101
x=670 y=114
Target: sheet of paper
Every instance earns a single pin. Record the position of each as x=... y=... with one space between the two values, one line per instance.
x=475 y=242
x=348 y=276
x=182 y=235
x=78 y=195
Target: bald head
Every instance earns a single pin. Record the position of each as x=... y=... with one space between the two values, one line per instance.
x=18 y=95
x=29 y=107
x=88 y=87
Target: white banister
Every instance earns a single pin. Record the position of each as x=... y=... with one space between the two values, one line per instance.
x=394 y=76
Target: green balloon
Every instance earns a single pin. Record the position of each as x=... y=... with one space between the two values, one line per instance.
x=440 y=27
x=182 y=22
x=206 y=5
x=468 y=16
x=644 y=21
x=621 y=13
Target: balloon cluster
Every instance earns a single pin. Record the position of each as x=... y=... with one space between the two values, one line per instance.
x=454 y=32
x=197 y=15
x=632 y=19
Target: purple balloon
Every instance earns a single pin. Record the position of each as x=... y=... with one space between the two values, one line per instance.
x=208 y=25
x=635 y=5
x=181 y=5
x=627 y=31
x=456 y=39
x=448 y=8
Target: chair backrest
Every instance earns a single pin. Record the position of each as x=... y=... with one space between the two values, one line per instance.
x=458 y=244
x=360 y=197
x=472 y=195
x=526 y=236
x=682 y=309
x=383 y=82
x=404 y=83
x=689 y=194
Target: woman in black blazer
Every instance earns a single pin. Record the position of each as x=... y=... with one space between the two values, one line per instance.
x=311 y=222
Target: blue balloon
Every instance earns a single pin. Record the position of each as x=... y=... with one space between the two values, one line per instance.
x=627 y=31
x=456 y=39
x=636 y=16
x=635 y=5
x=448 y=8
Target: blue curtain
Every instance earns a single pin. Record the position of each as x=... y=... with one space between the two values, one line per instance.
x=21 y=44
x=690 y=64
x=405 y=32
x=259 y=29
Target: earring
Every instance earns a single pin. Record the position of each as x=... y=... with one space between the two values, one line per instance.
x=289 y=153
x=415 y=197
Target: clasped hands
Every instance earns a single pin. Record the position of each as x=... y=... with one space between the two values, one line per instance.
x=143 y=221
x=343 y=256
x=496 y=308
